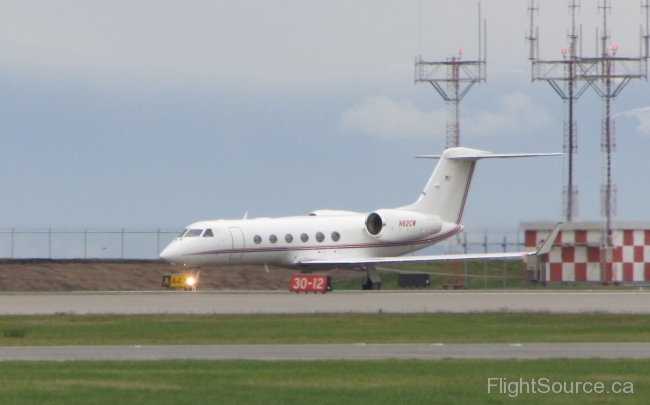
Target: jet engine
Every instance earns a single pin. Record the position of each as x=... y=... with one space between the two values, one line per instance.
x=394 y=225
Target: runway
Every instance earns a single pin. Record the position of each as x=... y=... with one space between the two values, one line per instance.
x=212 y=302
x=329 y=352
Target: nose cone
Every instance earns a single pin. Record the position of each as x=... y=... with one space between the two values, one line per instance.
x=171 y=253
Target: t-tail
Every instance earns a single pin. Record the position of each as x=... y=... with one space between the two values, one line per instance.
x=446 y=191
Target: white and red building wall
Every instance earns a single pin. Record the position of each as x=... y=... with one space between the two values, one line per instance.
x=576 y=255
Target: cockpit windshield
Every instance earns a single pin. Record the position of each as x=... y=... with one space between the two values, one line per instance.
x=193 y=233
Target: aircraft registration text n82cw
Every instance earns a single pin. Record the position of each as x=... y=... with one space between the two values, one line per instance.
x=328 y=239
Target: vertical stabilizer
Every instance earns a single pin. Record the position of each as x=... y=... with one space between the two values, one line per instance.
x=446 y=191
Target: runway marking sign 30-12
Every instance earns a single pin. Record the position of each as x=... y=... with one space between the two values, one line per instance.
x=310 y=282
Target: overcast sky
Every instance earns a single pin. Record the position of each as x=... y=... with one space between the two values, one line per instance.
x=161 y=113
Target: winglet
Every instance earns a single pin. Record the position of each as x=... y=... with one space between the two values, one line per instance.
x=548 y=243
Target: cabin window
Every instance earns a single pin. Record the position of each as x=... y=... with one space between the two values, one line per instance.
x=288 y=238
x=208 y=233
x=336 y=236
x=304 y=237
x=320 y=237
x=257 y=239
x=193 y=233
x=182 y=233
x=273 y=238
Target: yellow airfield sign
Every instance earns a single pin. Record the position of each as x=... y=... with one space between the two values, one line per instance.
x=178 y=280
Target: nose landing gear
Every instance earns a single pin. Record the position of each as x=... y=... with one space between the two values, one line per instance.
x=192 y=286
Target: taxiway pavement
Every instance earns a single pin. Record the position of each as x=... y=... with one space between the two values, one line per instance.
x=213 y=302
x=329 y=352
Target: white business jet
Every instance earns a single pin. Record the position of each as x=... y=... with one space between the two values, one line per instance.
x=328 y=239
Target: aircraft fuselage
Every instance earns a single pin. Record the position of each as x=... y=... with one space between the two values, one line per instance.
x=287 y=241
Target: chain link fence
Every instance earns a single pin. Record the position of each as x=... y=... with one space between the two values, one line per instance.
x=84 y=243
x=146 y=243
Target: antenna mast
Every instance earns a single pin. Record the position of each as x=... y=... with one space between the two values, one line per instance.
x=608 y=75
x=458 y=76
x=553 y=72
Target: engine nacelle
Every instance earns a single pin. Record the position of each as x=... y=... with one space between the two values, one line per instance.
x=401 y=225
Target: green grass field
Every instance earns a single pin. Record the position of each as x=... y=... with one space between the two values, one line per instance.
x=499 y=275
x=321 y=328
x=442 y=274
x=312 y=382
x=317 y=382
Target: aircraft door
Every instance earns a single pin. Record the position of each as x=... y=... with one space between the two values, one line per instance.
x=237 y=243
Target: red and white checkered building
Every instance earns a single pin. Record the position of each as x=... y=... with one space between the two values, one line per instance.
x=576 y=253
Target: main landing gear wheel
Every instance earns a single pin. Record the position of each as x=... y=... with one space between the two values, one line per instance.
x=369 y=285
x=373 y=282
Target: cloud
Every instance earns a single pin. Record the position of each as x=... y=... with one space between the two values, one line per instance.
x=641 y=114
x=388 y=119
x=385 y=118
x=516 y=113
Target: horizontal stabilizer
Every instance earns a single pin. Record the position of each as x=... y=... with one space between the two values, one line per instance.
x=488 y=155
x=428 y=156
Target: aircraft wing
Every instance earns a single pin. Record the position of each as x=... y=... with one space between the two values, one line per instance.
x=544 y=249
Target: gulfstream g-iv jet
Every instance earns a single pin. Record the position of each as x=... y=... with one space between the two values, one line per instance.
x=328 y=239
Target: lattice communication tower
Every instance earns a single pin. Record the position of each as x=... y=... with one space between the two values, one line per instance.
x=453 y=78
x=608 y=75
